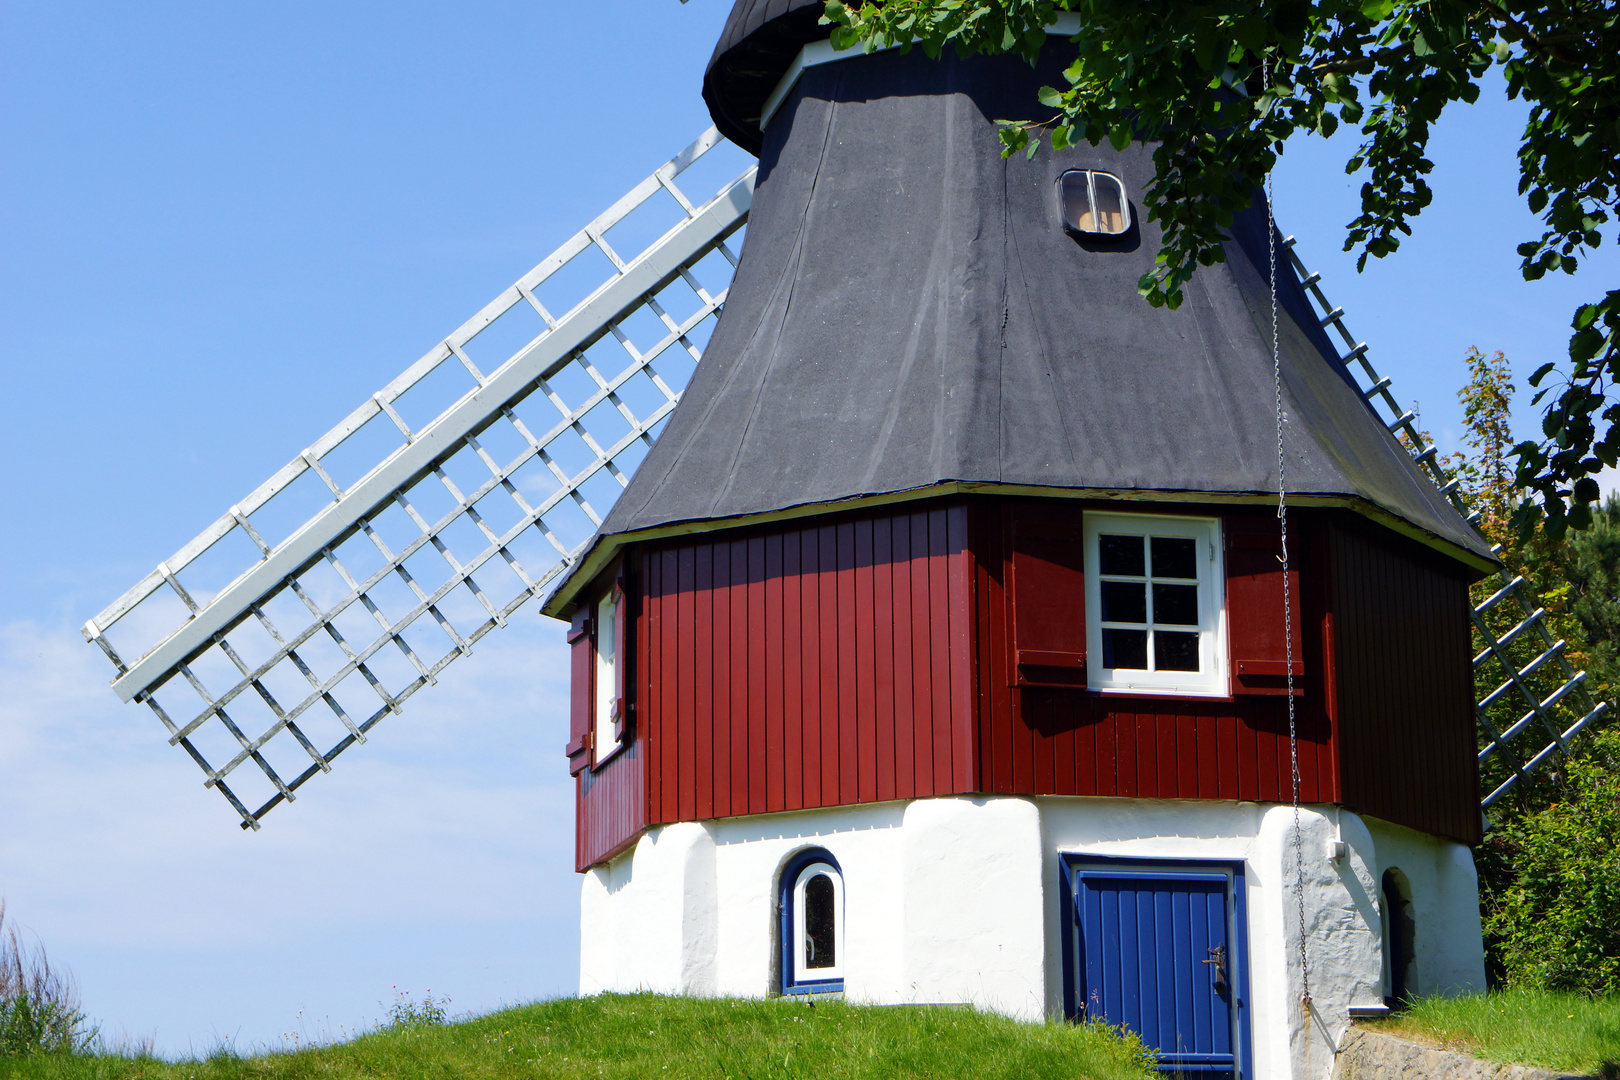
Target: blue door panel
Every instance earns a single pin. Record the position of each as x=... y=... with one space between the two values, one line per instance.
x=1145 y=956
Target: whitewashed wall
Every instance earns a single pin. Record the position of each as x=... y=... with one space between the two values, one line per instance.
x=957 y=900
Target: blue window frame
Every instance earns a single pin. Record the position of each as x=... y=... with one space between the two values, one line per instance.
x=1162 y=948
x=810 y=902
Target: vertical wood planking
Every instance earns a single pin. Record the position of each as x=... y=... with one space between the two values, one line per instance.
x=1403 y=684
x=848 y=765
x=865 y=665
x=922 y=696
x=757 y=716
x=774 y=634
x=865 y=657
x=905 y=707
x=884 y=696
x=818 y=665
x=703 y=674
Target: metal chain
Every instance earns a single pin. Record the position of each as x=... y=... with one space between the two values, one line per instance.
x=1288 y=593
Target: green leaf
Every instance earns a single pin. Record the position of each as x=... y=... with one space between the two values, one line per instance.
x=1327 y=124
x=1377 y=10
x=1540 y=373
x=1584 y=315
x=1585 y=345
x=1050 y=97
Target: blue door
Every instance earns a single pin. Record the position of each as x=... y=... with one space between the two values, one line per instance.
x=1161 y=949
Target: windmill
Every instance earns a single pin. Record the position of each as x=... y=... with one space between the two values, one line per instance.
x=500 y=454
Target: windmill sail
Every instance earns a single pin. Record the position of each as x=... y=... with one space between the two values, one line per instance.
x=395 y=569
x=1530 y=676
x=400 y=561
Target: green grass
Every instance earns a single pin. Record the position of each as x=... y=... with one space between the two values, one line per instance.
x=645 y=1036
x=1568 y=1032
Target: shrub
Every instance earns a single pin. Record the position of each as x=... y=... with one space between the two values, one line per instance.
x=39 y=1007
x=428 y=1012
x=1552 y=911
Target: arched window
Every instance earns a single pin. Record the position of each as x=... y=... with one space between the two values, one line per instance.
x=812 y=924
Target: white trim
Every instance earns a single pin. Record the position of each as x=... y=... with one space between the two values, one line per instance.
x=1211 y=677
x=604 y=743
x=802 y=973
x=821 y=52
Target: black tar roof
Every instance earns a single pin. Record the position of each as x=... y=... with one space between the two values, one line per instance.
x=909 y=316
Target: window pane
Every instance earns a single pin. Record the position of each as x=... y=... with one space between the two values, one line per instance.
x=1126 y=649
x=1175 y=556
x=1125 y=601
x=1174 y=604
x=819 y=901
x=1175 y=651
x=1076 y=201
x=1110 y=207
x=1121 y=555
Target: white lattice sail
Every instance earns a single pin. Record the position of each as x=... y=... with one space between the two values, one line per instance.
x=1518 y=658
x=436 y=509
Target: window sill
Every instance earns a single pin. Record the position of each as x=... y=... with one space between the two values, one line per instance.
x=1180 y=695
x=609 y=756
x=827 y=991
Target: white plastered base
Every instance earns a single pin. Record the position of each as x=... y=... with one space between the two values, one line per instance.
x=957 y=900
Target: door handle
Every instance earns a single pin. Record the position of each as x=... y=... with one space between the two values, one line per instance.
x=1217 y=957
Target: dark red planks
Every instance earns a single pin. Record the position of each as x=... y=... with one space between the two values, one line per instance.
x=817 y=665
x=1038 y=740
x=1403 y=682
x=610 y=807
x=866 y=657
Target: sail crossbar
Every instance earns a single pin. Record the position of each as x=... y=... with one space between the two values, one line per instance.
x=1516 y=652
x=435 y=509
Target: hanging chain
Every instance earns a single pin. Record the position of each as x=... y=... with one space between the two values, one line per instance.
x=1288 y=592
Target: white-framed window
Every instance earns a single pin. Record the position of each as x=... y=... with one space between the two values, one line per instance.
x=1094 y=202
x=1154 y=604
x=607 y=723
x=812 y=924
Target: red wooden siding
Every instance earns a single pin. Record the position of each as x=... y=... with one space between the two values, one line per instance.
x=866 y=657
x=610 y=807
x=1405 y=691
x=818 y=665
x=1074 y=742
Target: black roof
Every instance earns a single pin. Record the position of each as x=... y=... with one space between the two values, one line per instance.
x=908 y=314
x=757 y=46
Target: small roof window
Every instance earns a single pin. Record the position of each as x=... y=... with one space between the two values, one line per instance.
x=1094 y=203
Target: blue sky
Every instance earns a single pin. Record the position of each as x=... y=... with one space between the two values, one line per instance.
x=221 y=228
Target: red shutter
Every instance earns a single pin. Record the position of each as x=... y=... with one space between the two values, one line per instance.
x=1254 y=606
x=581 y=661
x=621 y=656
x=1047 y=596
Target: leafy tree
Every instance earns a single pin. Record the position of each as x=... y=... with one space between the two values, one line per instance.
x=1549 y=868
x=1218 y=86
x=1550 y=878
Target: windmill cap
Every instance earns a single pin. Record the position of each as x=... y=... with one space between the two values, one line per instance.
x=758 y=45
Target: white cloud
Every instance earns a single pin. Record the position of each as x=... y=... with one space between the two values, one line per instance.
x=443 y=846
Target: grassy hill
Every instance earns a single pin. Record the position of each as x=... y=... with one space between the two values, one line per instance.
x=645 y=1036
